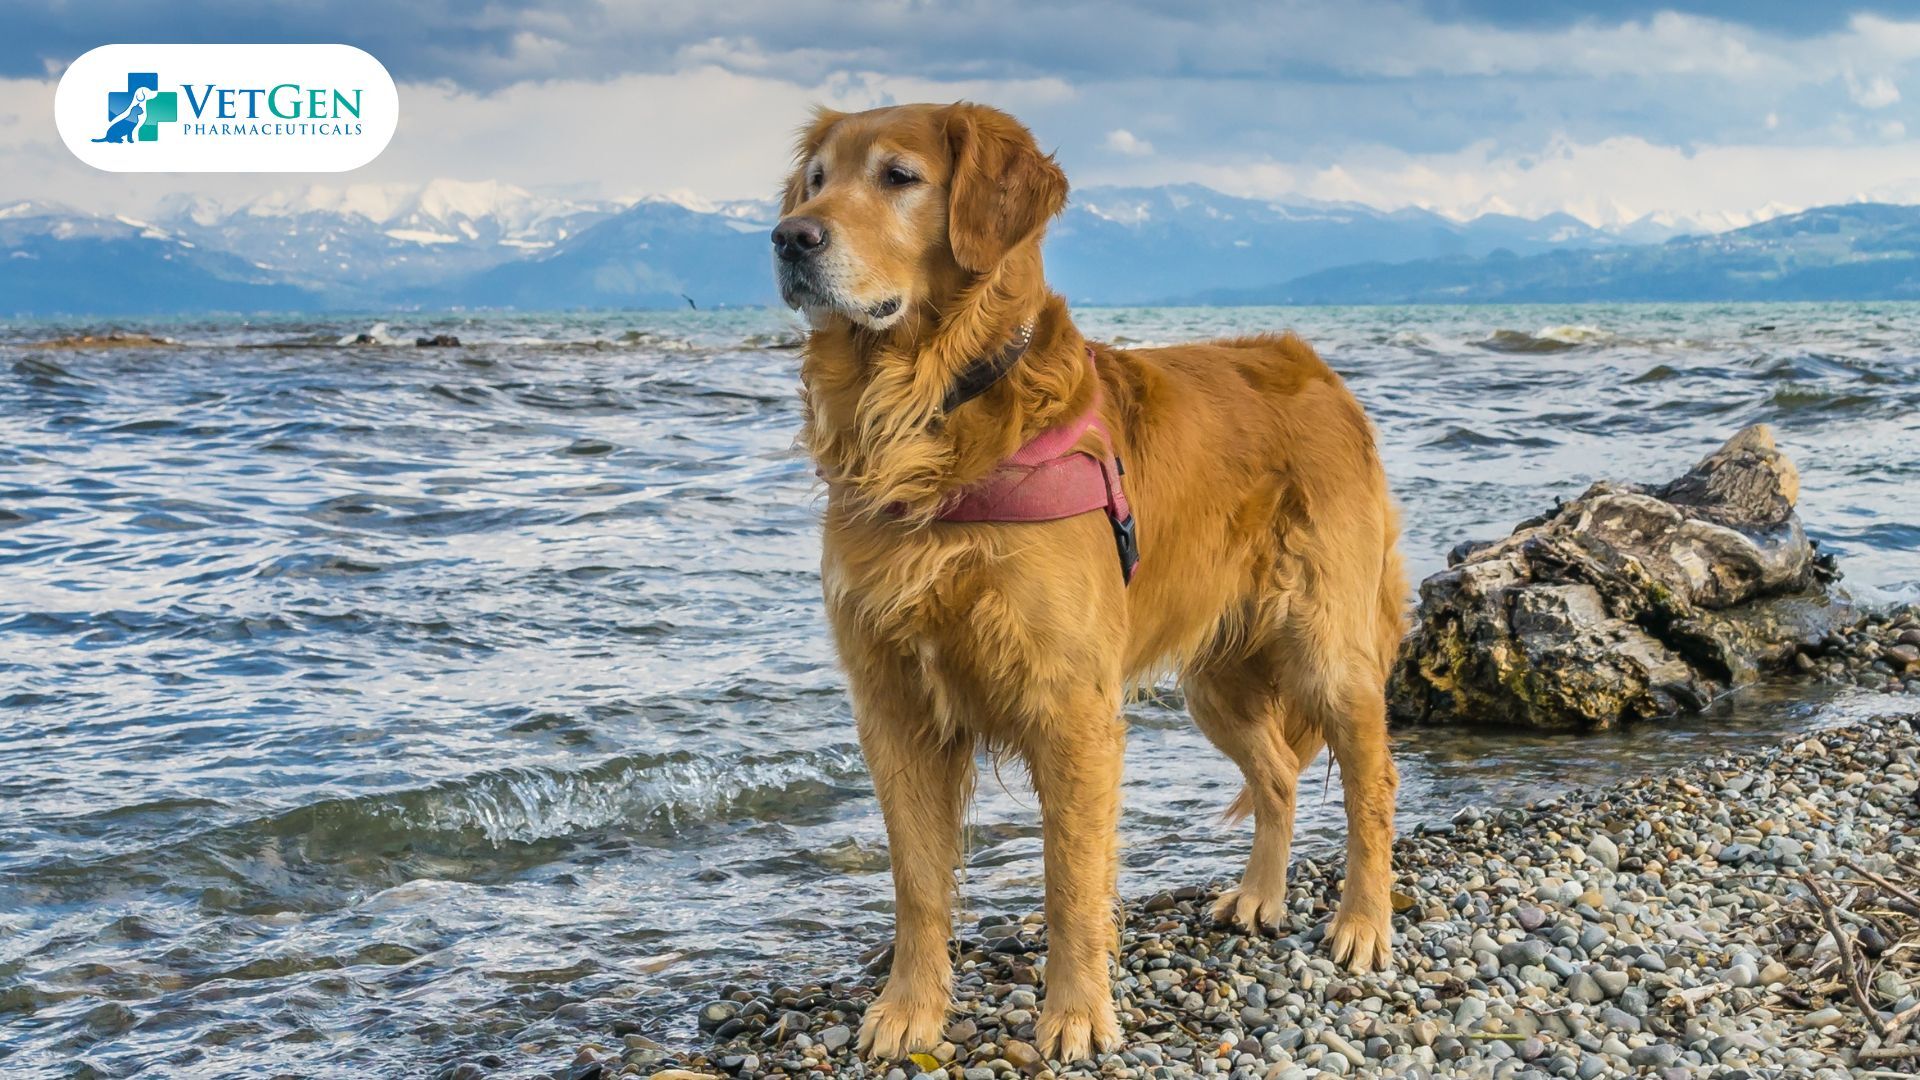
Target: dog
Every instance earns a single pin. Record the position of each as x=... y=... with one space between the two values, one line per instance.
x=1269 y=581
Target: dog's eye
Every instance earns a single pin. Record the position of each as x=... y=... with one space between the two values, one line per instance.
x=814 y=179
x=899 y=176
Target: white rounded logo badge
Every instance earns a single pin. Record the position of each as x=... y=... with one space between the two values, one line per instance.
x=226 y=108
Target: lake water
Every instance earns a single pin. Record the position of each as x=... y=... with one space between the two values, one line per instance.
x=368 y=708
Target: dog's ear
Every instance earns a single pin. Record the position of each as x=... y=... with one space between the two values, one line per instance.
x=1003 y=190
x=807 y=144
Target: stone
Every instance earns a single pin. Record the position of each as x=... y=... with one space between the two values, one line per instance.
x=1604 y=851
x=1332 y=1041
x=1021 y=1055
x=1612 y=983
x=1586 y=989
x=1629 y=602
x=717 y=1013
x=1653 y=1056
x=1619 y=1020
x=1823 y=1017
x=1523 y=953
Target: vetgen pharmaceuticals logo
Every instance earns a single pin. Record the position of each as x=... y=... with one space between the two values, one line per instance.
x=226 y=108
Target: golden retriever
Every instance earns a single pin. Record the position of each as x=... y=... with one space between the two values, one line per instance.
x=1269 y=582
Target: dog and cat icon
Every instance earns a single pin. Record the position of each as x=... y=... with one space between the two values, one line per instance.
x=136 y=113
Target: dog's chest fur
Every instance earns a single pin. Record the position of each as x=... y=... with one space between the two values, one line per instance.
x=993 y=623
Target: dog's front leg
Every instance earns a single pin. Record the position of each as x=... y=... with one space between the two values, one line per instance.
x=1076 y=766
x=923 y=785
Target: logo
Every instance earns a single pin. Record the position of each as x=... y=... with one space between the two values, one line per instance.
x=226 y=108
x=134 y=114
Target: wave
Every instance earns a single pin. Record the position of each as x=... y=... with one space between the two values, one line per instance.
x=1800 y=397
x=377 y=334
x=1465 y=438
x=529 y=804
x=649 y=339
x=475 y=827
x=1546 y=339
x=112 y=339
x=790 y=339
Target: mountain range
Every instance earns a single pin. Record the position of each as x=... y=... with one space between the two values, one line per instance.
x=1858 y=251
x=458 y=244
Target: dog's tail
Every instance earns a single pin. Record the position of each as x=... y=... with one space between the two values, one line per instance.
x=1240 y=809
x=1391 y=622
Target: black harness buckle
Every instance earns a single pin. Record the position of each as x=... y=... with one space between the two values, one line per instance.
x=1129 y=545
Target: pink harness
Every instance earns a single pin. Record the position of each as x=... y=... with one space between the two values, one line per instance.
x=1049 y=479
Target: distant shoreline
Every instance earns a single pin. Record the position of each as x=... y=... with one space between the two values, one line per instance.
x=348 y=316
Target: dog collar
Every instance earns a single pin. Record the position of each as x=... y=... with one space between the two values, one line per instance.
x=979 y=376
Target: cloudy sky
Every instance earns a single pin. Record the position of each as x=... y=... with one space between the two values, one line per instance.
x=1608 y=110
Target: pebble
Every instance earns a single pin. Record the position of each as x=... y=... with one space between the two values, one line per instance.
x=1523 y=953
x=1654 y=929
x=1604 y=851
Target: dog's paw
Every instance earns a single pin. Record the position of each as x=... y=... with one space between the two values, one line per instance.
x=1362 y=943
x=894 y=1029
x=1071 y=1032
x=1251 y=910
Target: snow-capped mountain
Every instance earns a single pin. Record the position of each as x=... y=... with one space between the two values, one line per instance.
x=452 y=243
x=1111 y=246
x=1143 y=245
x=365 y=240
x=659 y=252
x=55 y=260
x=1855 y=251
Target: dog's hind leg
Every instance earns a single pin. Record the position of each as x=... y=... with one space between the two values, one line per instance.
x=1362 y=930
x=1239 y=706
x=1334 y=679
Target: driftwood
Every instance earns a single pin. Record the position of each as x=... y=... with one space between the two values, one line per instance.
x=1629 y=602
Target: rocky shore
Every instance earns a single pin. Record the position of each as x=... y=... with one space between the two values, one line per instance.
x=1878 y=650
x=1747 y=917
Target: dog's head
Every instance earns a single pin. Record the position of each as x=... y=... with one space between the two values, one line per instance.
x=896 y=208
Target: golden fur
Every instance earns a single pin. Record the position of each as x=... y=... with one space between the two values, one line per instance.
x=1269 y=581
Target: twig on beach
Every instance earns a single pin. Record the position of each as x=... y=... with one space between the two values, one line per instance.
x=1693 y=996
x=1901 y=1026
x=1887 y=886
x=1849 y=964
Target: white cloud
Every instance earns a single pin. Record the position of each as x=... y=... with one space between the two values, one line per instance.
x=1124 y=142
x=722 y=134
x=1876 y=93
x=1608 y=182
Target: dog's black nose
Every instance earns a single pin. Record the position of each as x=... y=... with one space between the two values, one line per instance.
x=798 y=238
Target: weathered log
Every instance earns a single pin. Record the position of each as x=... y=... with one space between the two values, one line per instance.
x=1628 y=602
